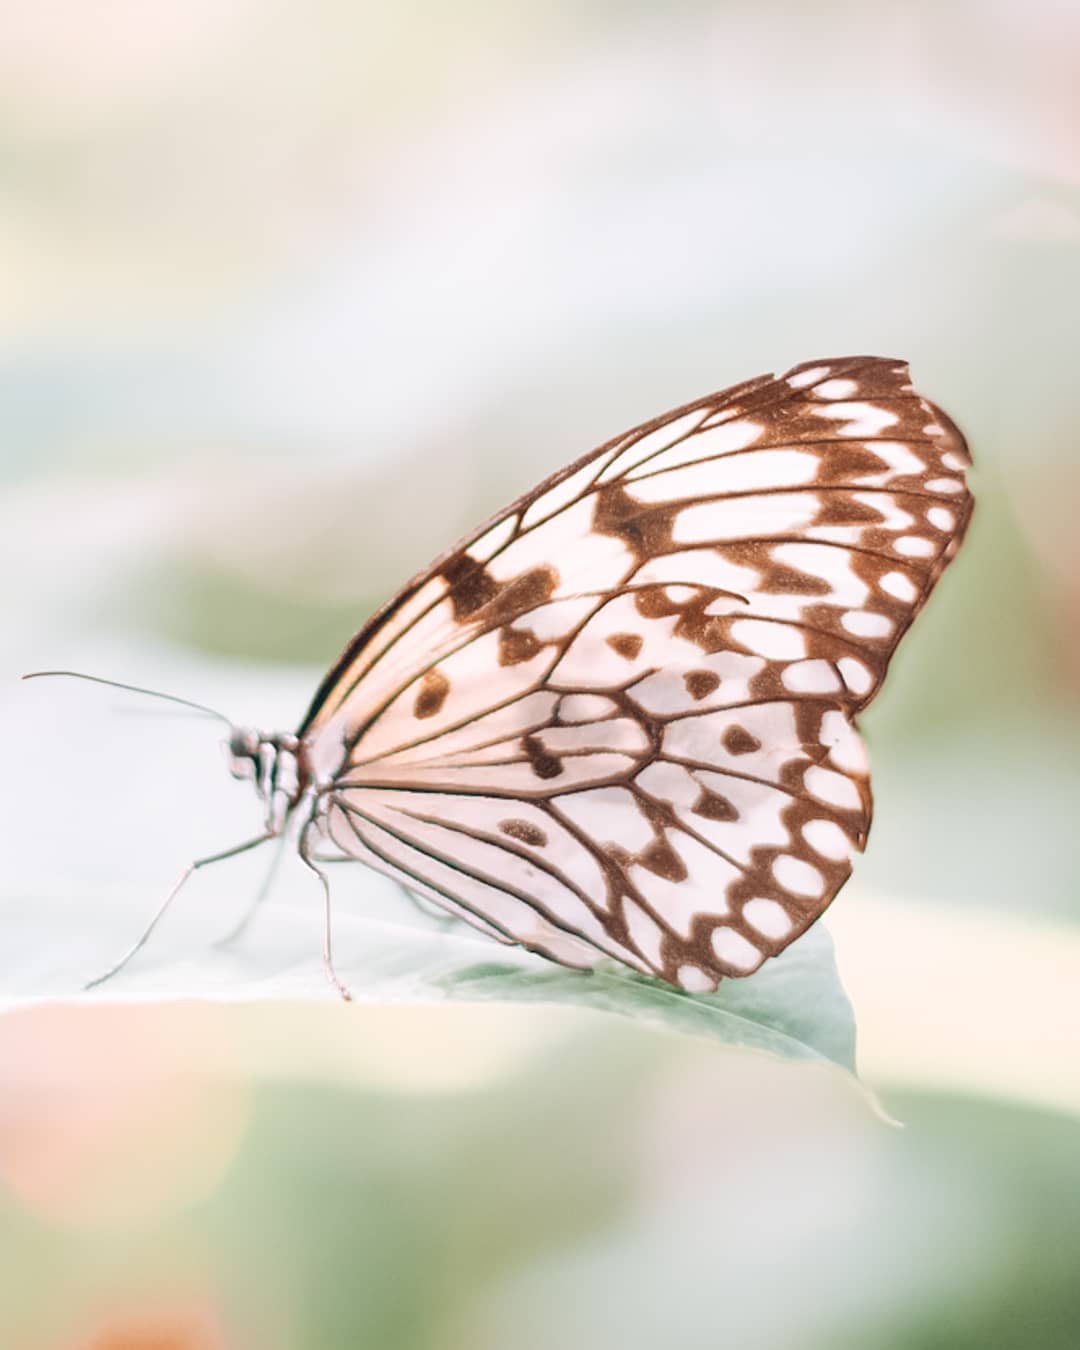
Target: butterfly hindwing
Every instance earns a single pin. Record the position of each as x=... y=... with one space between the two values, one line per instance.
x=618 y=719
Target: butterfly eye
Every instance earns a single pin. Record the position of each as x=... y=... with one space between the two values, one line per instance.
x=242 y=750
x=243 y=743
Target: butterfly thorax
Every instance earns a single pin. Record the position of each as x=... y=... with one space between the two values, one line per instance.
x=276 y=763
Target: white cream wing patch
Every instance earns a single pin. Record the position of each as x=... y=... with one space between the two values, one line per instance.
x=618 y=721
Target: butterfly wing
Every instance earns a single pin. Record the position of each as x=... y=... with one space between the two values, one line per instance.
x=618 y=720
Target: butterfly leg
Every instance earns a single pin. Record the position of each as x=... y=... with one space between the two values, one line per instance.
x=241 y=926
x=188 y=871
x=328 y=954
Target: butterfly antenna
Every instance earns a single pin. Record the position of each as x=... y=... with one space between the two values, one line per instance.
x=133 y=689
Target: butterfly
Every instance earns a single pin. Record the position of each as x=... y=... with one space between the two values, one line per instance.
x=618 y=720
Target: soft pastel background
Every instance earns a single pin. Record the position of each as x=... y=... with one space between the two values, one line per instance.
x=290 y=295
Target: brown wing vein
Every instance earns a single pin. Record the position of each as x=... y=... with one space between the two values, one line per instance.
x=476 y=874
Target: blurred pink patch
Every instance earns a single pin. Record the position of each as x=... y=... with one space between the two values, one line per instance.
x=195 y=1327
x=102 y=1125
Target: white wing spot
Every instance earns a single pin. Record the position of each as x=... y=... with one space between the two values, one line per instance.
x=863 y=419
x=892 y=517
x=898 y=457
x=667 y=691
x=733 y=436
x=707 y=566
x=576 y=708
x=550 y=622
x=798 y=877
x=616 y=733
x=941 y=519
x=768 y=917
x=734 y=950
x=864 y=623
x=952 y=460
x=773 y=640
x=758 y=740
x=701 y=891
x=830 y=564
x=947 y=485
x=569 y=533
x=651 y=444
x=811 y=376
x=558 y=496
x=899 y=586
x=609 y=815
x=726 y=604
x=810 y=677
x=705 y=478
x=845 y=745
x=679 y=595
x=714 y=440
x=745 y=517
x=694 y=980
x=831 y=787
x=914 y=546
x=828 y=839
x=492 y=540
x=837 y=389
x=836 y=534
x=855 y=675
x=618 y=643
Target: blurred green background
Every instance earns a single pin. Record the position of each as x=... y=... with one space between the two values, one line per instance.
x=290 y=296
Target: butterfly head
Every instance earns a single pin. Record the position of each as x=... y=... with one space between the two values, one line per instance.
x=242 y=749
x=272 y=761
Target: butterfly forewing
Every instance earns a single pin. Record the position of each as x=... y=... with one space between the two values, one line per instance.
x=618 y=719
